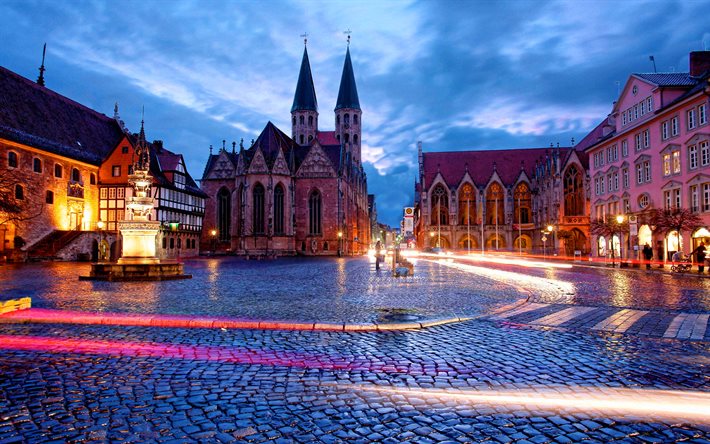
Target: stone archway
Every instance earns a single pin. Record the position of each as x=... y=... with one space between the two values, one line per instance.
x=492 y=245
x=468 y=242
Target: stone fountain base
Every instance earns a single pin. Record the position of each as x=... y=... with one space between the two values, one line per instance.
x=136 y=271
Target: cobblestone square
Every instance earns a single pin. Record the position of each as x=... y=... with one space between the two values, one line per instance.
x=580 y=354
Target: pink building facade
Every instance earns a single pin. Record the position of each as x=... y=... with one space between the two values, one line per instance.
x=653 y=151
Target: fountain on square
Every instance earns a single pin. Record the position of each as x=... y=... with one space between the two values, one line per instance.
x=138 y=261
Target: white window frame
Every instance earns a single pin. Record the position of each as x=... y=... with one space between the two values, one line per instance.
x=625 y=177
x=694 y=198
x=690 y=118
x=674 y=126
x=693 y=157
x=704 y=153
x=647 y=170
x=666 y=164
x=675 y=156
x=702 y=114
x=664 y=130
x=624 y=148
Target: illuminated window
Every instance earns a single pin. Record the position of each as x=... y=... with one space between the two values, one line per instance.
x=666 y=164
x=676 y=162
x=116 y=171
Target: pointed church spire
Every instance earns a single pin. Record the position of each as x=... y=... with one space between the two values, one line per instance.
x=40 y=79
x=305 y=97
x=347 y=94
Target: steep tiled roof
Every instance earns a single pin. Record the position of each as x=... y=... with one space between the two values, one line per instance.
x=454 y=164
x=305 y=97
x=271 y=140
x=595 y=136
x=163 y=160
x=668 y=78
x=37 y=116
x=347 y=94
x=327 y=138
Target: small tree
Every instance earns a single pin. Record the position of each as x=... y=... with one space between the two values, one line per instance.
x=608 y=227
x=16 y=210
x=675 y=219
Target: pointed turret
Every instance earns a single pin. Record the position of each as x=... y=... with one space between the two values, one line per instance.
x=347 y=94
x=347 y=111
x=304 y=112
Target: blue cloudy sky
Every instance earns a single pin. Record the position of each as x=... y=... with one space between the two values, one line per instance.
x=454 y=74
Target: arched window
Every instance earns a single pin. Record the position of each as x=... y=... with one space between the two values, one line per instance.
x=12 y=159
x=439 y=206
x=355 y=119
x=19 y=192
x=92 y=179
x=310 y=120
x=310 y=138
x=179 y=242
x=165 y=243
x=224 y=213
x=37 y=165
x=355 y=139
x=300 y=120
x=495 y=204
x=347 y=137
x=258 y=209
x=314 y=212
x=574 y=192
x=467 y=205
x=279 y=209
x=58 y=170
x=337 y=119
x=75 y=175
x=522 y=204
x=346 y=119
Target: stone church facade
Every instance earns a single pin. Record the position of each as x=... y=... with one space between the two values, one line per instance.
x=302 y=194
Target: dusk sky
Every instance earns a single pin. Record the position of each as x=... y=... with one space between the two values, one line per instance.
x=456 y=75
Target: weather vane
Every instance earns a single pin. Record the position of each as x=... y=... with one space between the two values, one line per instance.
x=348 y=32
x=305 y=37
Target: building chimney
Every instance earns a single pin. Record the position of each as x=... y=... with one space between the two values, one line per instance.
x=699 y=63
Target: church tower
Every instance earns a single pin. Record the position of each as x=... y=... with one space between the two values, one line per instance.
x=304 y=112
x=348 y=112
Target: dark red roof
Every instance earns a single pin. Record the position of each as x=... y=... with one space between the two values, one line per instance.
x=479 y=164
x=37 y=116
x=327 y=138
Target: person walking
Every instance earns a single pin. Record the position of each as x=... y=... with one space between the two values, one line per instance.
x=648 y=255
x=378 y=250
x=700 y=256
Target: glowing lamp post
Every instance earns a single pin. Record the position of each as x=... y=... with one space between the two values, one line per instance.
x=340 y=243
x=102 y=246
x=213 y=236
x=551 y=230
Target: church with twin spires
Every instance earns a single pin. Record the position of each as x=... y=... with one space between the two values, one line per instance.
x=303 y=194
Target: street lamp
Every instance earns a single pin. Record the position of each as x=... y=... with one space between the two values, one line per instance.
x=213 y=234
x=544 y=243
x=340 y=242
x=551 y=230
x=619 y=221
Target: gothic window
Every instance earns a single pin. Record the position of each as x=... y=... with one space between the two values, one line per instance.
x=355 y=139
x=439 y=206
x=12 y=159
x=355 y=119
x=37 y=165
x=279 y=209
x=467 y=205
x=310 y=120
x=314 y=212
x=574 y=192
x=347 y=137
x=19 y=192
x=258 y=209
x=346 y=119
x=300 y=120
x=495 y=204
x=522 y=204
x=75 y=175
x=224 y=212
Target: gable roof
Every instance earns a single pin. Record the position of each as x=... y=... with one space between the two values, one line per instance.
x=270 y=141
x=39 y=117
x=480 y=164
x=162 y=161
x=667 y=78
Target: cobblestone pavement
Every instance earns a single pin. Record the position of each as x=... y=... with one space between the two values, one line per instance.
x=529 y=376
